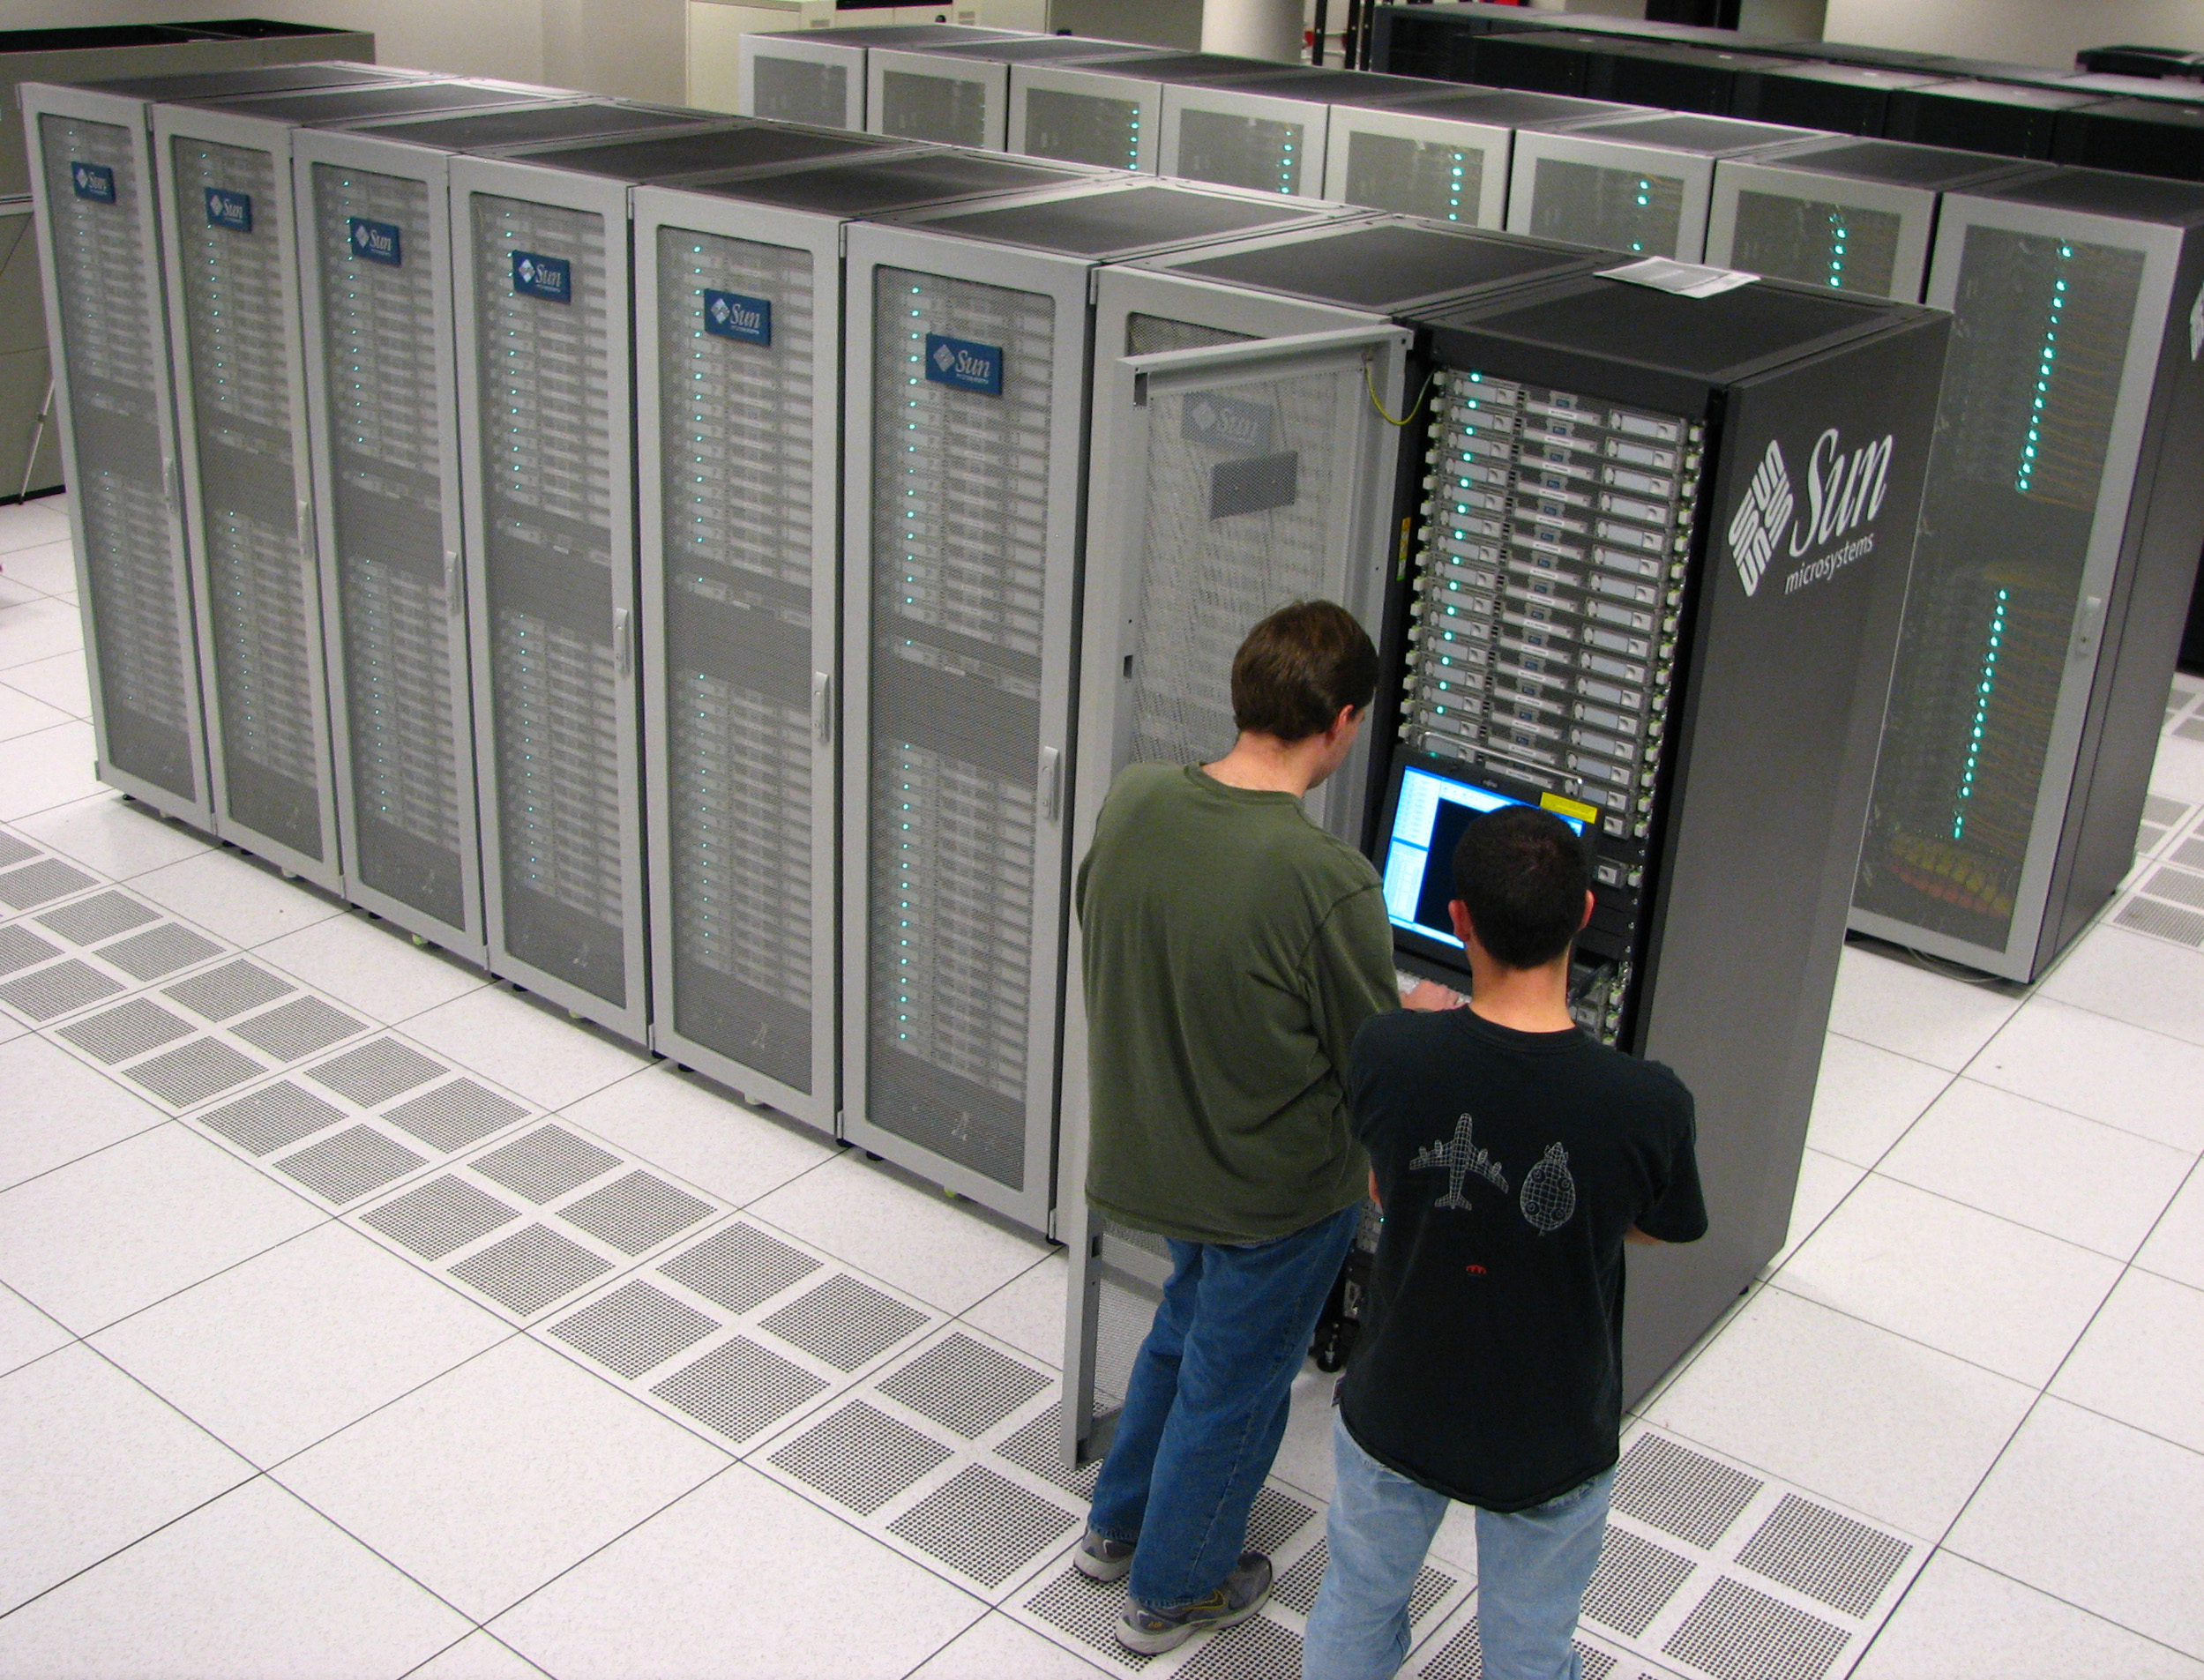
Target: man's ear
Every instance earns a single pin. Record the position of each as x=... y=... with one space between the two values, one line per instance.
x=1590 y=904
x=1458 y=912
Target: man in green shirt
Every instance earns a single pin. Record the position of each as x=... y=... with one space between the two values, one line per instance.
x=1233 y=950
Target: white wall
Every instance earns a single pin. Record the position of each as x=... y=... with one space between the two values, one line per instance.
x=2028 y=32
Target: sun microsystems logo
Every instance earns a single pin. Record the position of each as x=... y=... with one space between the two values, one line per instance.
x=729 y=315
x=92 y=181
x=944 y=358
x=378 y=241
x=1761 y=517
x=548 y=278
x=230 y=210
x=964 y=365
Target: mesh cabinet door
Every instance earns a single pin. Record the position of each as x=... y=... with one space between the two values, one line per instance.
x=100 y=257
x=241 y=408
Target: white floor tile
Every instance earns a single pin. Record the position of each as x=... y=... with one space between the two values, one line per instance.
x=15 y=592
x=996 y=1648
x=298 y=1342
x=525 y=1046
x=741 y=1578
x=51 y=768
x=108 y=834
x=2176 y=1249
x=2101 y=1515
x=1893 y=1430
x=1960 y=1619
x=20 y=714
x=118 y=1230
x=2178 y=773
x=493 y=1478
x=1887 y=1002
x=93 y=1462
x=51 y=567
x=2136 y=979
x=1027 y=1312
x=2041 y=1167
x=246 y=903
x=1823 y=1182
x=2143 y=1361
x=477 y=1657
x=56 y=1109
x=26 y=1334
x=916 y=1239
x=1866 y=1098
x=59 y=682
x=38 y=628
x=2085 y=1062
x=675 y=1121
x=253 y=1587
x=373 y=965
x=28 y=524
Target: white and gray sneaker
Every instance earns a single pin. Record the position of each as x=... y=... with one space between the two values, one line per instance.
x=1153 y=1632
x=1102 y=1560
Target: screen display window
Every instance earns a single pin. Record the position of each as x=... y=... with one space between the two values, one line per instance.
x=1429 y=814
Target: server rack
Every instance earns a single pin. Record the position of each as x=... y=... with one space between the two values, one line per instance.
x=818 y=76
x=2013 y=121
x=958 y=94
x=30 y=450
x=1446 y=158
x=1842 y=99
x=1635 y=183
x=2062 y=519
x=2138 y=136
x=967 y=394
x=1267 y=133
x=1109 y=114
x=1712 y=81
x=1853 y=215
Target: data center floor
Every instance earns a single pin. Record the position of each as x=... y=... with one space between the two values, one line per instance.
x=362 y=1318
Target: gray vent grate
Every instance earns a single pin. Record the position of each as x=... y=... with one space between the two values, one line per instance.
x=546 y=1164
x=349 y=1166
x=636 y=1212
x=2190 y=728
x=455 y=1115
x=2165 y=920
x=20 y=948
x=1274 y=1519
x=843 y=1322
x=160 y=950
x=1736 y=1633
x=298 y=1028
x=531 y=1269
x=1814 y=1550
x=41 y=883
x=57 y=991
x=740 y=1267
x=101 y=916
x=964 y=1385
x=1258 y=1649
x=2158 y=809
x=443 y=1214
x=128 y=1029
x=1038 y=1446
x=2190 y=852
x=224 y=993
x=634 y=1329
x=1635 y=1582
x=860 y=1457
x=739 y=1388
x=376 y=1071
x=271 y=1119
x=13 y=851
x=2178 y=884
x=1681 y=1492
x=195 y=1072
x=1088 y=1612
x=986 y=1527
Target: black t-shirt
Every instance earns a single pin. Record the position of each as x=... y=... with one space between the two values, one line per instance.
x=1510 y=1164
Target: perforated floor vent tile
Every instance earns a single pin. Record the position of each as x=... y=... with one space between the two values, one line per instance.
x=1258 y=1649
x=634 y=1329
x=128 y=1029
x=636 y=1212
x=843 y=1322
x=225 y=993
x=1088 y=1612
x=374 y=1072
x=1274 y=1519
x=41 y=883
x=964 y=1385
x=739 y=1388
x=1463 y=1658
x=191 y=1073
x=455 y=1115
x=350 y=1165
x=2158 y=809
x=2178 y=885
x=158 y=950
x=545 y=1164
x=47 y=993
x=740 y=1267
x=1679 y=1491
x=271 y=1119
x=1828 y=1557
x=2190 y=728
x=435 y=1218
x=860 y=1457
x=1038 y=1447
x=1634 y=1582
x=984 y=1525
x=101 y=916
x=20 y=949
x=2161 y=921
x=13 y=851
x=1739 y=1634
x=2190 y=854
x=533 y=1269
x=297 y=1029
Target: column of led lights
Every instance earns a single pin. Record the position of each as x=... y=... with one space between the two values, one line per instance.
x=1982 y=690
x=1838 y=235
x=2046 y=357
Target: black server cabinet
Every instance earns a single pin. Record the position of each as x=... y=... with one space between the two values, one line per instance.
x=1840 y=99
x=1981 y=116
x=2137 y=135
x=1658 y=582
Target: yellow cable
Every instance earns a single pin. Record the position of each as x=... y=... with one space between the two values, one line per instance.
x=1370 y=380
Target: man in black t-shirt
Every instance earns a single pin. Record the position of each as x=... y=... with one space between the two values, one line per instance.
x=1513 y=1156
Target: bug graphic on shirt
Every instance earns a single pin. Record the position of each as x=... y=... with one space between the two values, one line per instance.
x=1461 y=1156
x=1548 y=1196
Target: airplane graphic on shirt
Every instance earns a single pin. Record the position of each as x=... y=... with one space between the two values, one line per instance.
x=1461 y=1156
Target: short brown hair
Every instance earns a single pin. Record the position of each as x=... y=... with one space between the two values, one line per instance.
x=1299 y=669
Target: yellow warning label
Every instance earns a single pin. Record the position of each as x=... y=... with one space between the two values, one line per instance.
x=1575 y=808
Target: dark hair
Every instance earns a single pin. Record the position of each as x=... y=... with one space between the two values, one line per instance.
x=1299 y=669
x=1522 y=874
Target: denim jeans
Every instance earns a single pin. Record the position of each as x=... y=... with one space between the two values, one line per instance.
x=1533 y=1567
x=1205 y=1405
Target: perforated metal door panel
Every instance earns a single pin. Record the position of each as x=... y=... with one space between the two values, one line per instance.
x=1630 y=198
x=737 y=402
x=233 y=300
x=100 y=256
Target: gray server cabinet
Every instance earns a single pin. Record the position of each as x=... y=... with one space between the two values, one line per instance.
x=1109 y=114
x=1853 y=215
x=958 y=94
x=2059 y=535
x=1446 y=158
x=30 y=444
x=818 y=76
x=966 y=395
x=1638 y=184
x=373 y=207
x=1269 y=131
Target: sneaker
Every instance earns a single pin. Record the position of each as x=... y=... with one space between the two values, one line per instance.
x=1153 y=1632
x=1102 y=1560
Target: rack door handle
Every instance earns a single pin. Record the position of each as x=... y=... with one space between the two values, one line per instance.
x=623 y=641
x=822 y=705
x=1051 y=783
x=2092 y=623
x=450 y=579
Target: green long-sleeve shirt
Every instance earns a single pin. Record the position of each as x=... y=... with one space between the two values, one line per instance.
x=1233 y=950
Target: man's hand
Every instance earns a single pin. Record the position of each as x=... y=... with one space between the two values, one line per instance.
x=1374 y=1191
x=1633 y=1235
x=1429 y=994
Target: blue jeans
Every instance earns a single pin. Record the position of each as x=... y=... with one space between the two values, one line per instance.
x=1205 y=1405
x=1533 y=1567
